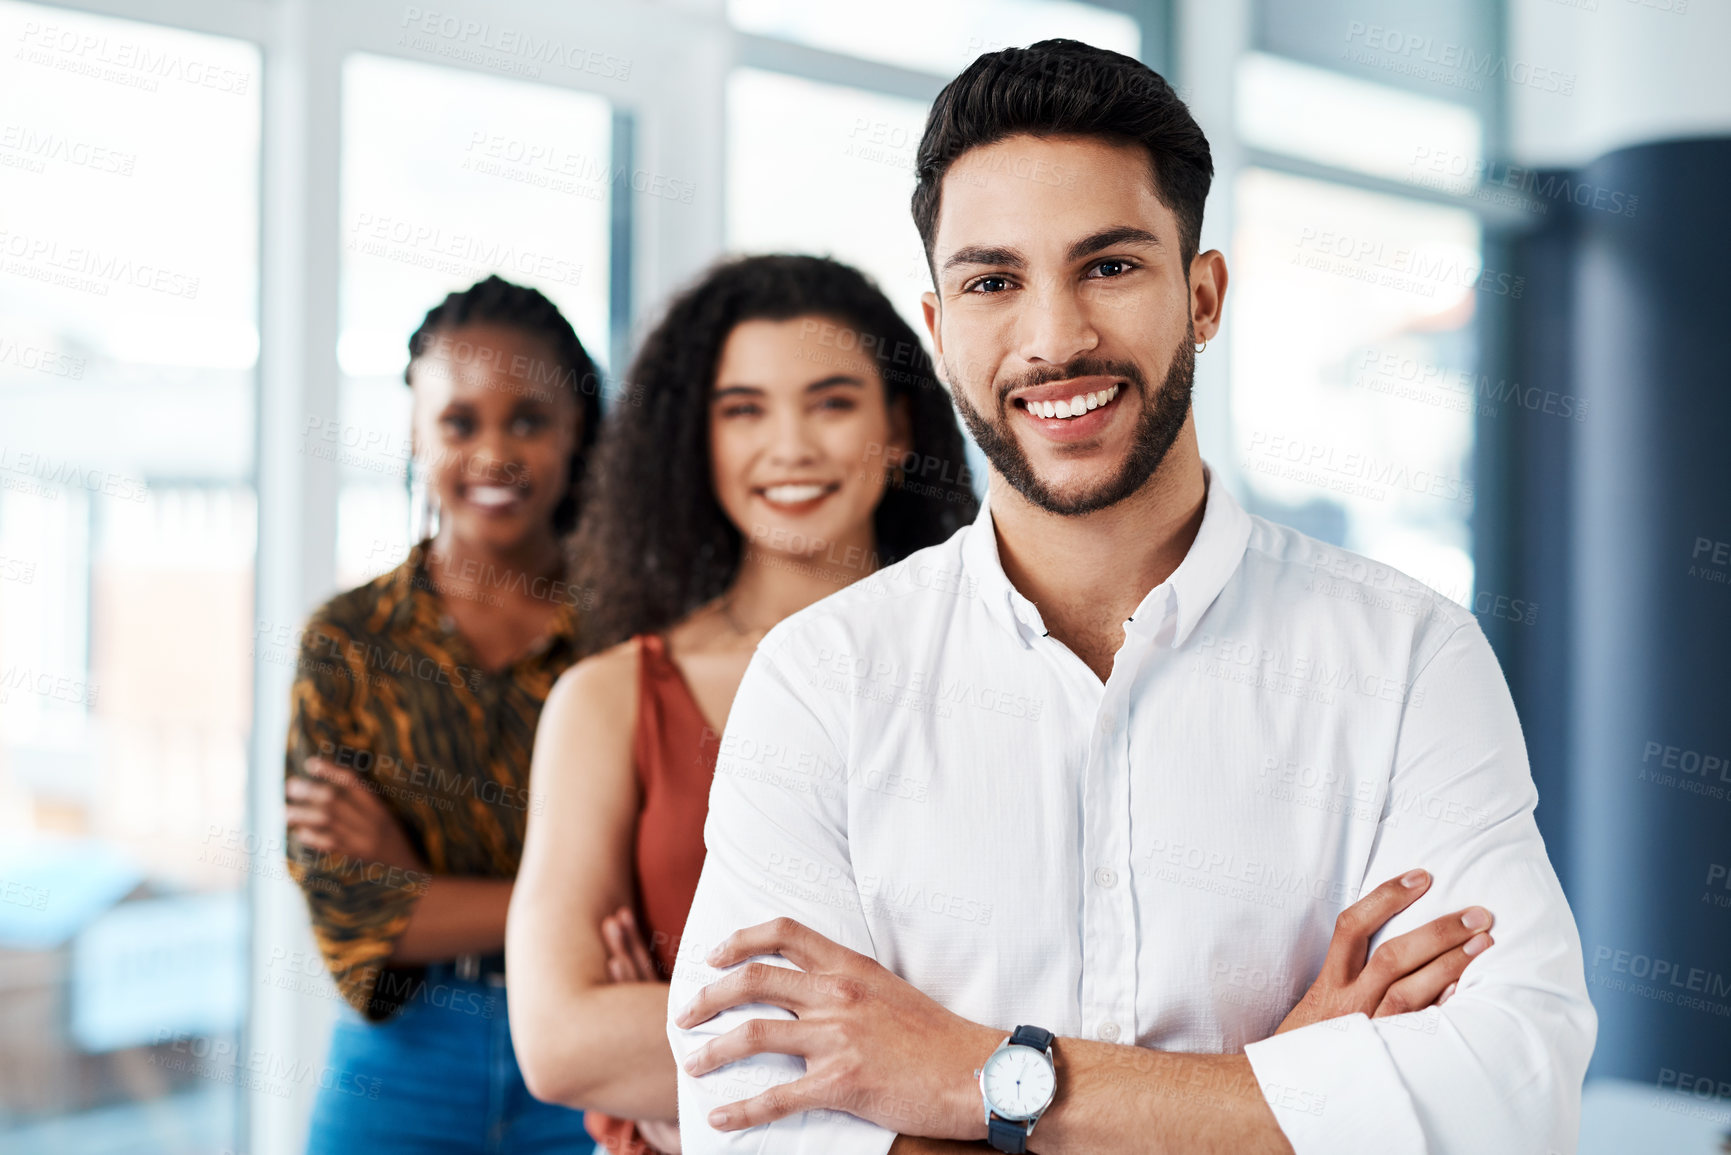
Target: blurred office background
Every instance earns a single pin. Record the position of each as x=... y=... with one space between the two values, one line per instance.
x=1479 y=275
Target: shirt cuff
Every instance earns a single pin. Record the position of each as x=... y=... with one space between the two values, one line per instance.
x=1334 y=1090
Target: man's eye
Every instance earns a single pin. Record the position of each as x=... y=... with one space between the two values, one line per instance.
x=989 y=285
x=527 y=426
x=1113 y=268
x=458 y=426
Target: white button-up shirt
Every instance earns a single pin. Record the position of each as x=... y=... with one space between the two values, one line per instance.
x=915 y=769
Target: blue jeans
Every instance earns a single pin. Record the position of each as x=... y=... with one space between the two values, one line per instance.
x=440 y=1078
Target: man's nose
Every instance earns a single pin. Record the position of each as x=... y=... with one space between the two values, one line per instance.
x=1056 y=325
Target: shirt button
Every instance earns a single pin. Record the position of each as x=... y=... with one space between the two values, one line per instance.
x=1106 y=877
x=1109 y=1031
x=1108 y=721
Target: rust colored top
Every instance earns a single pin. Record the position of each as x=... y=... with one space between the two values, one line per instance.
x=674 y=750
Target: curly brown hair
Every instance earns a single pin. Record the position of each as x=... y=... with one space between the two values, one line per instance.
x=654 y=544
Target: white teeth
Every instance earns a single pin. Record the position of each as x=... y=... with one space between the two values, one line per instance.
x=793 y=494
x=1075 y=406
x=494 y=495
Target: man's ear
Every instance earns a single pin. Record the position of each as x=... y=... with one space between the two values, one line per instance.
x=933 y=313
x=1207 y=293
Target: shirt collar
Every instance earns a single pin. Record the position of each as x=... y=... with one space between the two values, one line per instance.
x=1182 y=598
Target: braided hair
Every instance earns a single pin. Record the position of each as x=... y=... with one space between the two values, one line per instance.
x=499 y=302
x=654 y=543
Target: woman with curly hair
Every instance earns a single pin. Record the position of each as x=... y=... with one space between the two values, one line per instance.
x=784 y=408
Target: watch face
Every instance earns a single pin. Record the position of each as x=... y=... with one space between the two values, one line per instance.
x=1018 y=1082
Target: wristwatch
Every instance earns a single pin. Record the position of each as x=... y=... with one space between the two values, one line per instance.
x=1017 y=1084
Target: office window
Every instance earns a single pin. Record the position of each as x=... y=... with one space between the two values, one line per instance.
x=938 y=38
x=448 y=176
x=1354 y=368
x=129 y=160
x=816 y=168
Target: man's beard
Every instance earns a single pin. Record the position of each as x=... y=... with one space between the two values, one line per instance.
x=1157 y=428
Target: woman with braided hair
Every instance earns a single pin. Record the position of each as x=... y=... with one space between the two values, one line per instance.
x=415 y=704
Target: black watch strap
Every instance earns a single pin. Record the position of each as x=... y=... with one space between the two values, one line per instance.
x=1036 y=1037
x=1007 y=1136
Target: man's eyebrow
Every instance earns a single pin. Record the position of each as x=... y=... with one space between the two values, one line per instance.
x=1106 y=238
x=984 y=255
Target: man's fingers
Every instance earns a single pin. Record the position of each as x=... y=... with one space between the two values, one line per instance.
x=792 y=940
x=751 y=983
x=1357 y=923
x=753 y=1037
x=776 y=1103
x=1402 y=955
x=1431 y=982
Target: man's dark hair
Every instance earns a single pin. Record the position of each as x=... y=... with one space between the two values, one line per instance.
x=654 y=543
x=1067 y=88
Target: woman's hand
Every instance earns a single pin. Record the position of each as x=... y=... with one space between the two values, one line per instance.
x=628 y=958
x=629 y=961
x=339 y=815
x=1407 y=973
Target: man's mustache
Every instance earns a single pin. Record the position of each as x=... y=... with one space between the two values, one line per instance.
x=1080 y=367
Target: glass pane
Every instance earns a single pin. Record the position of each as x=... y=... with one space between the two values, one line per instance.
x=939 y=38
x=449 y=176
x=128 y=341
x=817 y=168
x=1320 y=115
x=1354 y=385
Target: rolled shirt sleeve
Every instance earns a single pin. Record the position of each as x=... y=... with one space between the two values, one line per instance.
x=1499 y=1067
x=358 y=910
x=776 y=839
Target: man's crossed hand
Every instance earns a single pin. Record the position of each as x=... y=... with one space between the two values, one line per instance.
x=878 y=1048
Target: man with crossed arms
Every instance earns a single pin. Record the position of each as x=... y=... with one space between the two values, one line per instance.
x=1077 y=798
